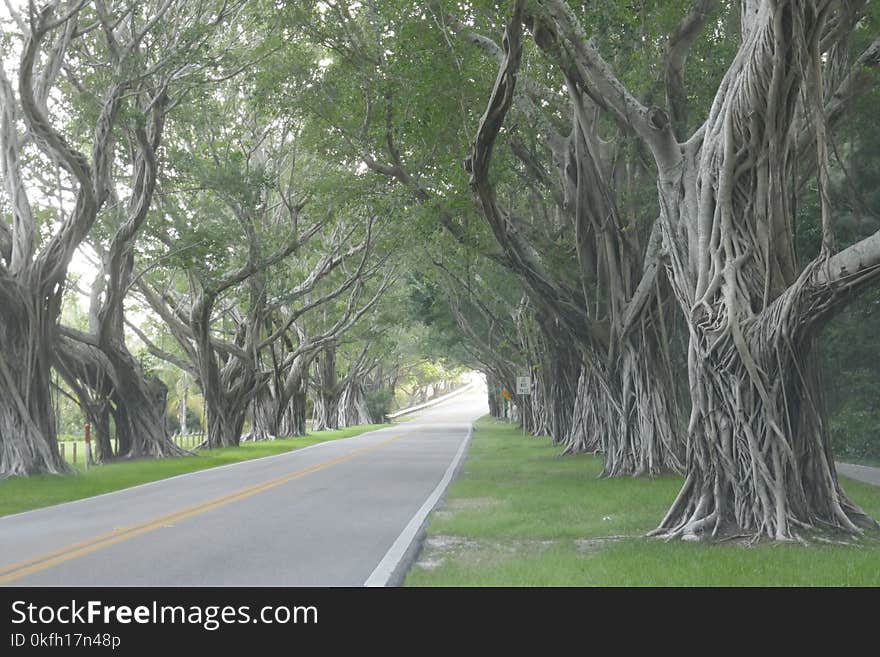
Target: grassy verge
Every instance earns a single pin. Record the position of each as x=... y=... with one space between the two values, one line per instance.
x=520 y=515
x=26 y=493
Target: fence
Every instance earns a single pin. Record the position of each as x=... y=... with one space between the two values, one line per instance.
x=74 y=451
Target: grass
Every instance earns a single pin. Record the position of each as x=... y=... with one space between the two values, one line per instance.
x=521 y=515
x=25 y=493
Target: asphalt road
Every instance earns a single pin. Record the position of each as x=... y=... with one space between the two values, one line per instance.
x=320 y=516
x=865 y=473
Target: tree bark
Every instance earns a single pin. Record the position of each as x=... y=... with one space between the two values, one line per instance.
x=588 y=416
x=104 y=372
x=293 y=422
x=493 y=393
x=87 y=377
x=647 y=438
x=626 y=410
x=276 y=414
x=227 y=396
x=326 y=390
x=98 y=416
x=353 y=410
x=537 y=409
x=28 y=442
x=759 y=461
x=560 y=373
x=630 y=411
x=263 y=416
x=140 y=418
x=224 y=418
x=182 y=408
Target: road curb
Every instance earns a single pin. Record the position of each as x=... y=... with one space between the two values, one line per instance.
x=394 y=566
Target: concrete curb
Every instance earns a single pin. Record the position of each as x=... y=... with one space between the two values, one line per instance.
x=393 y=567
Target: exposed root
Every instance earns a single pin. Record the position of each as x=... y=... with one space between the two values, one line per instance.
x=630 y=417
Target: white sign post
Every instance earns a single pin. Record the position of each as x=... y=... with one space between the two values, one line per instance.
x=524 y=389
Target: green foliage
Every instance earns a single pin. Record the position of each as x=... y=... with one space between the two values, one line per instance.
x=851 y=341
x=855 y=432
x=379 y=403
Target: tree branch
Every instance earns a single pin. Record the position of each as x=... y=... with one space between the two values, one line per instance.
x=17 y=241
x=246 y=271
x=558 y=33
x=854 y=266
x=160 y=353
x=677 y=50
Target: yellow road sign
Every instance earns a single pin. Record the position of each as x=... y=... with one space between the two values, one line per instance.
x=505 y=394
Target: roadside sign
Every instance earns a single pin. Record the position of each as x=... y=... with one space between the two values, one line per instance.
x=523 y=385
x=505 y=394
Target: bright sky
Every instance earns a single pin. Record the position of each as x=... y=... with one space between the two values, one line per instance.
x=17 y=5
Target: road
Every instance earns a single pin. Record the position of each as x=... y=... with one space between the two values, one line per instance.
x=321 y=516
x=864 y=473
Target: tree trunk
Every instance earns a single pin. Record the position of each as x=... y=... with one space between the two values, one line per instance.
x=588 y=418
x=263 y=415
x=526 y=413
x=228 y=394
x=326 y=391
x=292 y=419
x=293 y=422
x=28 y=442
x=627 y=416
x=229 y=382
x=98 y=416
x=106 y=373
x=140 y=419
x=493 y=392
x=759 y=460
x=537 y=409
x=648 y=438
x=353 y=410
x=326 y=412
x=224 y=421
x=560 y=373
x=274 y=414
x=182 y=409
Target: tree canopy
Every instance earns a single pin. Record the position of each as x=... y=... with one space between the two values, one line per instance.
x=247 y=218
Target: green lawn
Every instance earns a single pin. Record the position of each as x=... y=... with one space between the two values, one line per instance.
x=521 y=515
x=25 y=493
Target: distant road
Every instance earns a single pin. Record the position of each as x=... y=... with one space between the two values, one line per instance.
x=322 y=516
x=863 y=473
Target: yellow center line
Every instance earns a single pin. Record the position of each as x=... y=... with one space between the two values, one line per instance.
x=56 y=557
